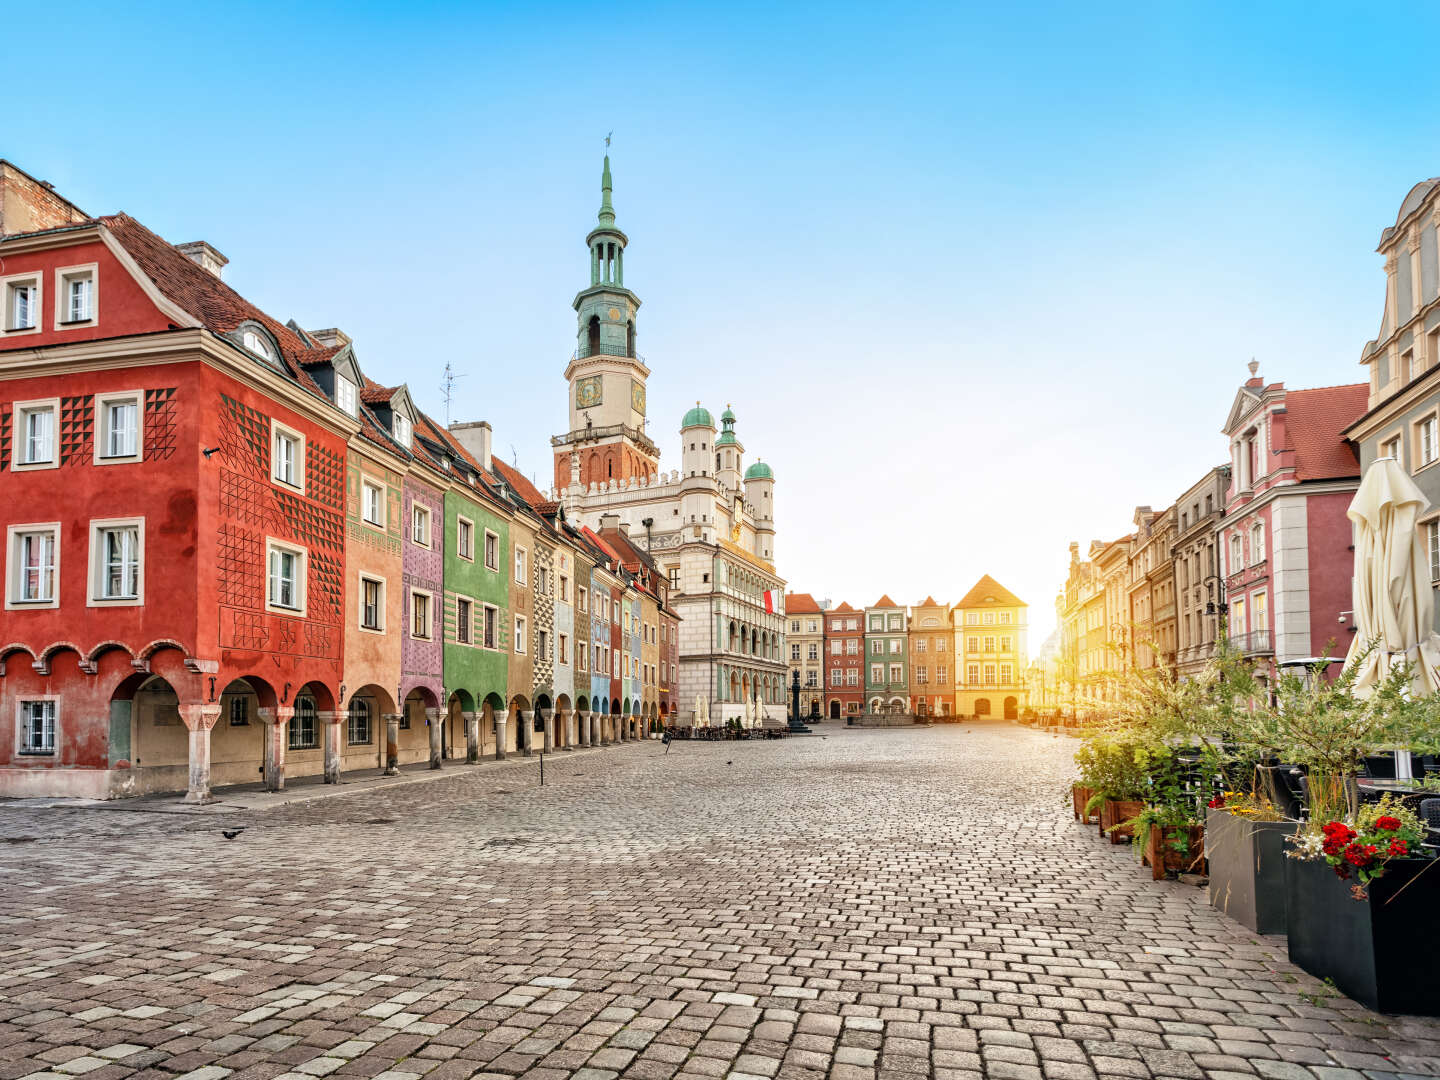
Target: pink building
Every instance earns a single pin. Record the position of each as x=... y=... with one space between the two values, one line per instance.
x=1285 y=543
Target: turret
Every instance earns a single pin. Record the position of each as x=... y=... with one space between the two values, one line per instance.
x=697 y=473
x=729 y=454
x=760 y=494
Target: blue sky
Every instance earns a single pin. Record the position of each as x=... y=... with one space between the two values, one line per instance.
x=977 y=280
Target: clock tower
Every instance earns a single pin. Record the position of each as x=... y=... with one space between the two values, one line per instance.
x=606 y=377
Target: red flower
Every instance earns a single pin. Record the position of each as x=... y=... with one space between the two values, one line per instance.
x=1399 y=847
x=1360 y=854
x=1389 y=824
x=1217 y=803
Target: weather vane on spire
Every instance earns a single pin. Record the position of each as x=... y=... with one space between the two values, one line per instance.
x=607 y=140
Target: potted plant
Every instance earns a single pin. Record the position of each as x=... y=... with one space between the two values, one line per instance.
x=1359 y=904
x=1115 y=765
x=1245 y=852
x=1361 y=910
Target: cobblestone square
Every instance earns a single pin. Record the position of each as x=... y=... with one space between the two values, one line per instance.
x=869 y=903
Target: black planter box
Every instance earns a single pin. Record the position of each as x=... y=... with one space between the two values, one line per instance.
x=1382 y=951
x=1247 y=869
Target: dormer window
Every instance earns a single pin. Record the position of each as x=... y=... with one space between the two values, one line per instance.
x=346 y=396
x=256 y=344
x=402 y=430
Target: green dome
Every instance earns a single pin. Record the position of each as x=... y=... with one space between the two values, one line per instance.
x=759 y=471
x=698 y=417
x=727 y=414
x=727 y=438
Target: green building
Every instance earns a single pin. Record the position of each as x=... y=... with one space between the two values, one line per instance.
x=887 y=658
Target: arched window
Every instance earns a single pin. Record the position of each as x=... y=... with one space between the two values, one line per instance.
x=630 y=338
x=593 y=332
x=610 y=467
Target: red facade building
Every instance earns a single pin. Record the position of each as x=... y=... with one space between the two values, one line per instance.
x=1284 y=543
x=173 y=508
x=844 y=662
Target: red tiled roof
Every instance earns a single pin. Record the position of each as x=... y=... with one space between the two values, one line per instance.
x=801 y=603
x=1314 y=420
x=885 y=601
x=321 y=355
x=372 y=393
x=844 y=606
x=218 y=307
x=517 y=480
x=989 y=591
x=929 y=601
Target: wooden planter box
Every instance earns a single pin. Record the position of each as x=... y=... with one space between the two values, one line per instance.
x=1247 y=869
x=1160 y=856
x=1113 y=812
x=1382 y=951
x=1079 y=796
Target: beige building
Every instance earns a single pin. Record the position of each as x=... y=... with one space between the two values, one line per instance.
x=989 y=625
x=932 y=659
x=1151 y=594
x=1196 y=567
x=806 y=641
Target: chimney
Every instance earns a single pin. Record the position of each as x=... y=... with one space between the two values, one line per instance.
x=29 y=205
x=330 y=338
x=204 y=256
x=474 y=436
x=609 y=521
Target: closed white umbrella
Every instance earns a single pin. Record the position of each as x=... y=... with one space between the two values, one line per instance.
x=1394 y=603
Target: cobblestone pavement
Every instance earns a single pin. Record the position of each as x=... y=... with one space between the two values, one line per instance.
x=881 y=903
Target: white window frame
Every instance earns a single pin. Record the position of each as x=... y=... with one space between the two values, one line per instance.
x=20 y=442
x=360 y=607
x=22 y=721
x=1432 y=547
x=489 y=612
x=582 y=598
x=347 y=402
x=277 y=429
x=13 y=534
x=366 y=487
x=275 y=544
x=98 y=570
x=563 y=643
x=64 y=275
x=485 y=551
x=522 y=565
x=8 y=285
x=1257 y=543
x=420 y=514
x=403 y=430
x=429 y=596
x=518 y=641
x=1422 y=458
x=470 y=639
x=462 y=523
x=542 y=644
x=102 y=426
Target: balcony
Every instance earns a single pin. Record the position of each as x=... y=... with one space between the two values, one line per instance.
x=1196 y=654
x=1255 y=643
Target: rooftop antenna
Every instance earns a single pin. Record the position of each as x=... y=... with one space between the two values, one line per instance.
x=448 y=390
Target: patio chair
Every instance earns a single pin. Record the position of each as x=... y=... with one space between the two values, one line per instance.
x=1429 y=811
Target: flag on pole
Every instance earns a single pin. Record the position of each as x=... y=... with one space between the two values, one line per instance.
x=769 y=601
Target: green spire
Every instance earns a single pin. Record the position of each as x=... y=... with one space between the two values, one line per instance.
x=607 y=212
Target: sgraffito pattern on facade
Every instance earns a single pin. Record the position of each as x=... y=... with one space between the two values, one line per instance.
x=160 y=423
x=77 y=430
x=422 y=568
x=544 y=610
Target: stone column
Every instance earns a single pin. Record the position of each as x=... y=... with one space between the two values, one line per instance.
x=277 y=733
x=200 y=720
x=437 y=735
x=526 y=731
x=392 y=744
x=501 y=716
x=602 y=729
x=570 y=730
x=582 y=717
x=472 y=737
x=548 y=718
x=331 y=720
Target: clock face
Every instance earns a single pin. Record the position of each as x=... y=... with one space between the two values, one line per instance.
x=587 y=392
x=614 y=314
x=637 y=397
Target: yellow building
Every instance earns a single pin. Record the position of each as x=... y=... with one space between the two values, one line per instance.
x=989 y=625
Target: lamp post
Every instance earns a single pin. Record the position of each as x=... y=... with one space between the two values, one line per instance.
x=1217 y=607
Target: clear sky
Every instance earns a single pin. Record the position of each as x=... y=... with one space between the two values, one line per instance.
x=977 y=280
